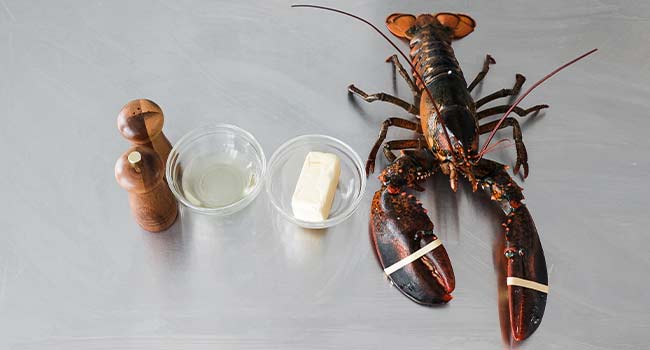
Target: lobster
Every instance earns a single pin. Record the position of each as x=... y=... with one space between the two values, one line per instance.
x=447 y=139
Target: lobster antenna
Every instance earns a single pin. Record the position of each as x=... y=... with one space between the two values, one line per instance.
x=435 y=105
x=503 y=143
x=518 y=100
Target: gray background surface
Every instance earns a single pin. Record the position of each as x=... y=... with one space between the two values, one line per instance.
x=77 y=273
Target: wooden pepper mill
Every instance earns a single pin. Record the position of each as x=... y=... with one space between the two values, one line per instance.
x=140 y=171
x=141 y=122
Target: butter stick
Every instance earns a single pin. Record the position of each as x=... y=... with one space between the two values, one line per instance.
x=314 y=194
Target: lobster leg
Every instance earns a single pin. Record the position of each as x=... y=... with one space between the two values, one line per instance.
x=395 y=145
x=397 y=122
x=382 y=96
x=526 y=265
x=522 y=155
x=479 y=77
x=397 y=65
x=519 y=81
x=502 y=109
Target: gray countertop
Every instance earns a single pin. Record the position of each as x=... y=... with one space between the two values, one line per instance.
x=76 y=272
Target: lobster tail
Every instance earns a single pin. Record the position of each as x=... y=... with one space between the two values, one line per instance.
x=402 y=25
x=399 y=24
x=460 y=24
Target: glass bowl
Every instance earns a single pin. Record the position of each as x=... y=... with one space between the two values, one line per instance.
x=285 y=166
x=216 y=169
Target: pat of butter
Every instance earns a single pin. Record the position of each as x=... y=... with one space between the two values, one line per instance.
x=314 y=194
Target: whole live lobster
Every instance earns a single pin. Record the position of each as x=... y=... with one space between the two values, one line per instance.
x=447 y=139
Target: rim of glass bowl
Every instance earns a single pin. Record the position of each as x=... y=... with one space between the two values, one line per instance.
x=348 y=151
x=188 y=139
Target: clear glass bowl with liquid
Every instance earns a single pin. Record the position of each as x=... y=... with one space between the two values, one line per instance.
x=216 y=169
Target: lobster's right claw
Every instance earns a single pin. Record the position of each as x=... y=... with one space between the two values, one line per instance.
x=399 y=227
x=527 y=275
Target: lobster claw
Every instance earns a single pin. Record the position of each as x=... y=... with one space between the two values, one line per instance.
x=527 y=275
x=400 y=229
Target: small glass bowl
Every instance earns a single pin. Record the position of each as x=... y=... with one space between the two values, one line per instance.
x=285 y=166
x=202 y=161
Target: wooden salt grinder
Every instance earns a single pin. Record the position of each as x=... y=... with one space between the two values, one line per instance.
x=141 y=122
x=140 y=171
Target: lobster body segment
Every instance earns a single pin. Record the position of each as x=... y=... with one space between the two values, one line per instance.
x=435 y=62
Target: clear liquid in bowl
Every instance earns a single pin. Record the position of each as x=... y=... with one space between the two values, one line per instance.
x=212 y=182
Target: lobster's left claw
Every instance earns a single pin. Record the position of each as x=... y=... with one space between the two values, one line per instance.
x=400 y=227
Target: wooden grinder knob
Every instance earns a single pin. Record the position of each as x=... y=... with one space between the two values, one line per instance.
x=141 y=122
x=140 y=171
